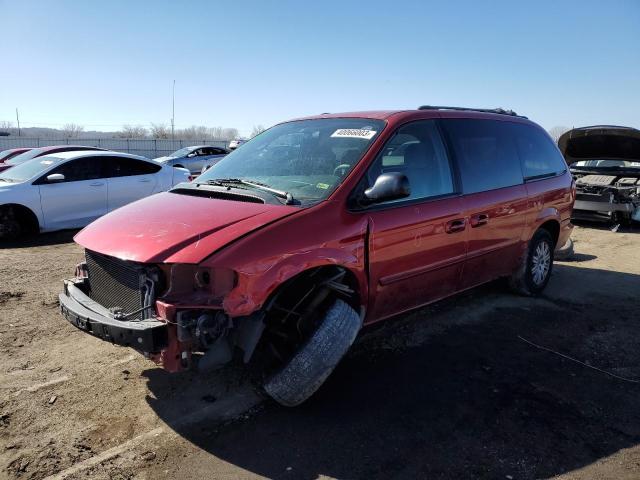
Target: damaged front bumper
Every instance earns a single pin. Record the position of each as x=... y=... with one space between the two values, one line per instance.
x=148 y=336
x=176 y=336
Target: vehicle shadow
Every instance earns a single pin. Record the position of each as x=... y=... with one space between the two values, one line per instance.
x=579 y=257
x=41 y=240
x=470 y=401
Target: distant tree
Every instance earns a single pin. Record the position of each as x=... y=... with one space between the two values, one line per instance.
x=6 y=127
x=257 y=130
x=194 y=133
x=72 y=130
x=216 y=133
x=160 y=131
x=229 y=133
x=557 y=132
x=132 y=131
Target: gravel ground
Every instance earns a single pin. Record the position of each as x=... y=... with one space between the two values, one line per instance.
x=451 y=391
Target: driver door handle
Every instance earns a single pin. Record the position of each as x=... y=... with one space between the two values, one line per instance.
x=96 y=184
x=454 y=226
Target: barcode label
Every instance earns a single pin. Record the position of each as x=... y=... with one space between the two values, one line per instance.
x=354 y=133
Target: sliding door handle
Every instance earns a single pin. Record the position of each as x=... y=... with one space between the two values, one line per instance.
x=479 y=220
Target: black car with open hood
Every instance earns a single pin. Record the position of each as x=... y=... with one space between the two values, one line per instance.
x=605 y=162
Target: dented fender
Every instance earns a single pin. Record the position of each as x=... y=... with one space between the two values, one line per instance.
x=256 y=283
x=297 y=243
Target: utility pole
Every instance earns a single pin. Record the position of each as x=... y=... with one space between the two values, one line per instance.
x=173 y=110
x=18 y=120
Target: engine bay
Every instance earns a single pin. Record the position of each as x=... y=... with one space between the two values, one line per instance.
x=614 y=198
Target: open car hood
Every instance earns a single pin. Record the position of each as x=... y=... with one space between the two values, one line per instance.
x=174 y=228
x=600 y=142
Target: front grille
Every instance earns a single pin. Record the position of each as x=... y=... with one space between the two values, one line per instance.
x=115 y=284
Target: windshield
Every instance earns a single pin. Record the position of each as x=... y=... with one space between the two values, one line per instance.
x=5 y=154
x=23 y=157
x=183 y=152
x=27 y=170
x=607 y=164
x=307 y=158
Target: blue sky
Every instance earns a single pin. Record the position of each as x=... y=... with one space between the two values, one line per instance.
x=241 y=63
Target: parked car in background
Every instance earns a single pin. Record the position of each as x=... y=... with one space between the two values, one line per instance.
x=233 y=144
x=39 y=152
x=605 y=162
x=288 y=245
x=195 y=158
x=71 y=189
x=12 y=152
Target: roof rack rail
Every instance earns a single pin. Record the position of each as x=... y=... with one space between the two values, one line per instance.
x=500 y=111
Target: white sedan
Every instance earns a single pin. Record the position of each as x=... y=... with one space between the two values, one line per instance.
x=71 y=189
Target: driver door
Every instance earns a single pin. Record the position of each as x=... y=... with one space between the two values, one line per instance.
x=77 y=200
x=417 y=244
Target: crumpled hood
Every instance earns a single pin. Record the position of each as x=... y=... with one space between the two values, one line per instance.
x=174 y=228
x=600 y=142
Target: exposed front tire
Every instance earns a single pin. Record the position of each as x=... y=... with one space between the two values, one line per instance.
x=310 y=366
x=536 y=265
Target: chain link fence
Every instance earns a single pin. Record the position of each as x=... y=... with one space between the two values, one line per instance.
x=150 y=148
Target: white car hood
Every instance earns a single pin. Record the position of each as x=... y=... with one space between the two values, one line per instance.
x=162 y=159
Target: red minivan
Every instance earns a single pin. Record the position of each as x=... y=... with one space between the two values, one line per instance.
x=282 y=251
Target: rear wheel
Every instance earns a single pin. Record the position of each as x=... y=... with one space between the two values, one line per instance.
x=535 y=270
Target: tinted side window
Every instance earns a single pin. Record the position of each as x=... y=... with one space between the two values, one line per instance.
x=486 y=153
x=125 y=167
x=417 y=151
x=539 y=156
x=87 y=168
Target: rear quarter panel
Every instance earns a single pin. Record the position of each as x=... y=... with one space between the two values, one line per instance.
x=550 y=199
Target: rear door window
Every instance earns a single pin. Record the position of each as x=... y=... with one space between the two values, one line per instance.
x=539 y=156
x=486 y=153
x=126 y=167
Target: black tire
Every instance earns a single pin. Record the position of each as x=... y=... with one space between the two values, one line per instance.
x=10 y=226
x=526 y=280
x=317 y=358
x=565 y=252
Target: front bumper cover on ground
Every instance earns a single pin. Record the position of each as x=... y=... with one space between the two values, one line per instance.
x=148 y=336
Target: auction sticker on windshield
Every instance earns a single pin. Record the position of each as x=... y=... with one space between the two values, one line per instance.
x=354 y=133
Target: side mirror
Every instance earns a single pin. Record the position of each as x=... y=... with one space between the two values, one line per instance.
x=388 y=186
x=191 y=155
x=55 y=178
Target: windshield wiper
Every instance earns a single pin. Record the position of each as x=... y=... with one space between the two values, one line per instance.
x=223 y=182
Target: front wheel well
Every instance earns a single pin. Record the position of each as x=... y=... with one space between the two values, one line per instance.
x=553 y=227
x=336 y=278
x=24 y=215
x=297 y=307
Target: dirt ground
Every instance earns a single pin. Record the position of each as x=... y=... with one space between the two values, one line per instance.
x=451 y=391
